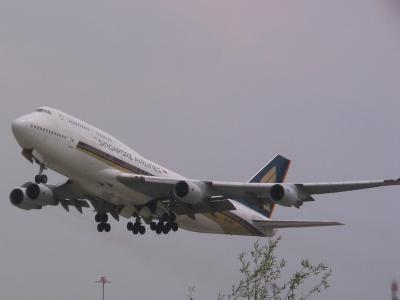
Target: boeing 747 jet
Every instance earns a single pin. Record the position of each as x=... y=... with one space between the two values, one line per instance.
x=119 y=182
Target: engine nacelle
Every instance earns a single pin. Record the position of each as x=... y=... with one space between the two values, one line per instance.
x=189 y=192
x=32 y=196
x=286 y=195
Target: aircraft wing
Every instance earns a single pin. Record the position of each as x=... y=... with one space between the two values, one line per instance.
x=241 y=189
x=69 y=194
x=287 y=194
x=162 y=189
x=337 y=187
x=271 y=224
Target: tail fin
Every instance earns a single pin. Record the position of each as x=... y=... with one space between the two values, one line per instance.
x=274 y=171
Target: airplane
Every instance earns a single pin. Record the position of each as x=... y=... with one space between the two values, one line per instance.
x=119 y=182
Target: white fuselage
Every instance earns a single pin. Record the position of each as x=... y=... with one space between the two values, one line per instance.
x=93 y=158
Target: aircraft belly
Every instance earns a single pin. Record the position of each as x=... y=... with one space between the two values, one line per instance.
x=200 y=224
x=220 y=222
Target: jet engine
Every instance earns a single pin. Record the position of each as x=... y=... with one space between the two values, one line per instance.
x=32 y=196
x=189 y=192
x=287 y=195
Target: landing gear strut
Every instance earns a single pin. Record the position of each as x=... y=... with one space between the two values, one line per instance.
x=137 y=227
x=41 y=178
x=102 y=219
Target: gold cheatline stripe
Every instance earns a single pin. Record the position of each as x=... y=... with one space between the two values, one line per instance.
x=110 y=160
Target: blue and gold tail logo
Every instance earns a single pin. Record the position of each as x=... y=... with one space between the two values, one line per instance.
x=274 y=171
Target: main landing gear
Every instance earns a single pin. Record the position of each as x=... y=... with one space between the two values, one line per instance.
x=41 y=178
x=165 y=224
x=137 y=227
x=102 y=219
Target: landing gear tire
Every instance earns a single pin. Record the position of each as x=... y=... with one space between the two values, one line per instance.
x=137 y=227
x=153 y=226
x=135 y=230
x=159 y=227
x=166 y=229
x=101 y=218
x=43 y=179
x=97 y=217
x=167 y=226
x=100 y=227
x=129 y=226
x=142 y=230
x=174 y=227
x=104 y=218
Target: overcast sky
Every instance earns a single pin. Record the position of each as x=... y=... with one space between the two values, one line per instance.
x=212 y=90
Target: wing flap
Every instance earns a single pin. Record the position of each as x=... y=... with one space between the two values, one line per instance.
x=209 y=207
x=156 y=187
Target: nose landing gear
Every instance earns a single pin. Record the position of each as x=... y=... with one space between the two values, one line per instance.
x=41 y=178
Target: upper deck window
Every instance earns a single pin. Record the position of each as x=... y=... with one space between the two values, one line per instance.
x=104 y=136
x=79 y=124
x=43 y=110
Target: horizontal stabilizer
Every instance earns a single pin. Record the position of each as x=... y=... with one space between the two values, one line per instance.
x=270 y=224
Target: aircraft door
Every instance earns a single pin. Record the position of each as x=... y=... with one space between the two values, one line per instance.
x=71 y=141
x=68 y=133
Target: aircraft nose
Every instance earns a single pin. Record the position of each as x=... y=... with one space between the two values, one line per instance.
x=18 y=126
x=19 y=129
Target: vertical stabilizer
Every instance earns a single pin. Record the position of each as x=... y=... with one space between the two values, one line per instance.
x=274 y=171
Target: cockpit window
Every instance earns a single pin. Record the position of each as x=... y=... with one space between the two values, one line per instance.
x=43 y=110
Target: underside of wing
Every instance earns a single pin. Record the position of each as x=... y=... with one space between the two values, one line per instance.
x=162 y=190
x=69 y=194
